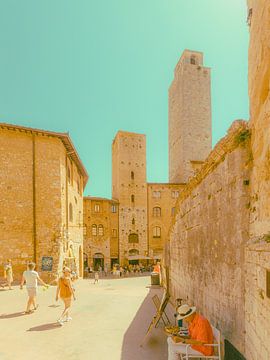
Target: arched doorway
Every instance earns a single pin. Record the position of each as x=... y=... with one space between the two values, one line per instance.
x=98 y=261
x=85 y=261
x=133 y=253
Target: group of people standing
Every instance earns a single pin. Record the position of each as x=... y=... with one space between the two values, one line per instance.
x=65 y=289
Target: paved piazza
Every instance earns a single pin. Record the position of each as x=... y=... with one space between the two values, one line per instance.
x=109 y=322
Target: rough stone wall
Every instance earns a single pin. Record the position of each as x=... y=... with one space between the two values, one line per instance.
x=16 y=199
x=114 y=241
x=98 y=243
x=189 y=116
x=129 y=155
x=48 y=199
x=75 y=222
x=33 y=198
x=207 y=240
x=258 y=250
x=166 y=202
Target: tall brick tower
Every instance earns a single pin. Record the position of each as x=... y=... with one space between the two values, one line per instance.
x=190 y=126
x=130 y=189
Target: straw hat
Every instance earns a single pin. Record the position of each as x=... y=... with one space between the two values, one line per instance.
x=184 y=311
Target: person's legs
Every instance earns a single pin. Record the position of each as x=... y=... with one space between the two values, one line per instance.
x=35 y=303
x=176 y=349
x=67 y=303
x=29 y=303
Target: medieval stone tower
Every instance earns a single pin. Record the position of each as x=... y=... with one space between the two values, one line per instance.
x=189 y=117
x=129 y=187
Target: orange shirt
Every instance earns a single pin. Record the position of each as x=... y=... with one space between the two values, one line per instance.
x=201 y=330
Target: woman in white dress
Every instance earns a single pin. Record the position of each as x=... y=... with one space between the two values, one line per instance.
x=9 y=274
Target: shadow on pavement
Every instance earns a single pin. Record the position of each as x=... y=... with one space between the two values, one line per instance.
x=54 y=306
x=154 y=346
x=45 y=327
x=13 y=315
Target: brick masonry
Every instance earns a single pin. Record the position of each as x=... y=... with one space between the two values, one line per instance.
x=41 y=209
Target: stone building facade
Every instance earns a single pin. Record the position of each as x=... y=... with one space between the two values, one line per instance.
x=218 y=251
x=101 y=231
x=41 y=200
x=190 y=135
x=143 y=211
x=161 y=200
x=209 y=234
x=257 y=300
x=129 y=187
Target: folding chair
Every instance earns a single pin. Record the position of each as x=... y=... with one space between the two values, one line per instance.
x=215 y=345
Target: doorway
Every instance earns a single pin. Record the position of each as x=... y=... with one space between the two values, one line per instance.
x=98 y=261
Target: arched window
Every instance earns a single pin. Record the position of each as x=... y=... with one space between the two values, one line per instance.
x=133 y=252
x=156 y=232
x=156 y=194
x=94 y=230
x=132 y=198
x=157 y=211
x=133 y=238
x=193 y=60
x=70 y=212
x=132 y=175
x=173 y=211
x=100 y=230
x=133 y=221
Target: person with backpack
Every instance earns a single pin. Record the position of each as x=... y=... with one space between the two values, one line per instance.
x=65 y=291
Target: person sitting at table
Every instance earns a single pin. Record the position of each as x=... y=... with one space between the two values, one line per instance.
x=200 y=333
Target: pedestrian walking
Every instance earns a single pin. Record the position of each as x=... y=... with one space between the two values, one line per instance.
x=8 y=274
x=31 y=278
x=96 y=277
x=66 y=292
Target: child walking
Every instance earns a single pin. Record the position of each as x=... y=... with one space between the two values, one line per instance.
x=66 y=291
x=96 y=277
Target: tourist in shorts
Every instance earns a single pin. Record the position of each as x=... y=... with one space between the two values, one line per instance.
x=31 y=278
x=66 y=292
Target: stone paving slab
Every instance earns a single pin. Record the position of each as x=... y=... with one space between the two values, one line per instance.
x=110 y=320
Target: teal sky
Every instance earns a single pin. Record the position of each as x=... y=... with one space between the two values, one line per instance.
x=93 y=67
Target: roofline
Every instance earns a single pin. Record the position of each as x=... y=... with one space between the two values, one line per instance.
x=193 y=51
x=64 y=137
x=128 y=133
x=99 y=198
x=151 y=183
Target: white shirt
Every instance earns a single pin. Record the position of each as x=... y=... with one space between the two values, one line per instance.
x=30 y=277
